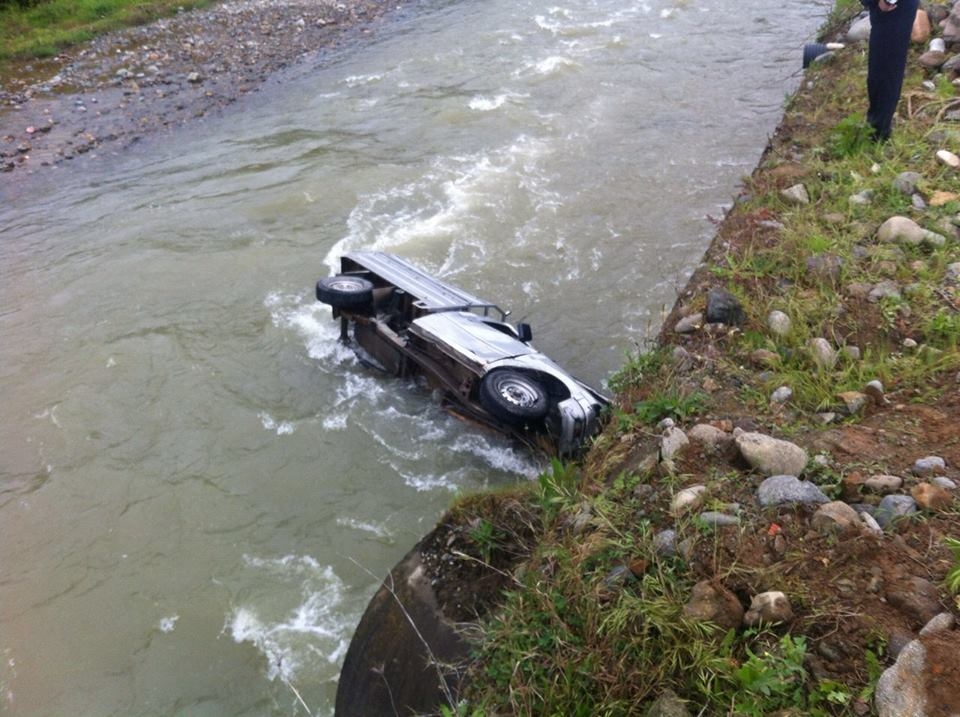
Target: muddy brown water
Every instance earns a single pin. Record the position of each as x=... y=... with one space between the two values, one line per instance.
x=199 y=488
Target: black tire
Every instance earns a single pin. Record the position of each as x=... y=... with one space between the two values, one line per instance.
x=345 y=291
x=513 y=397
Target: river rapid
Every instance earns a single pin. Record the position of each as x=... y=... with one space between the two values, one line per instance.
x=199 y=487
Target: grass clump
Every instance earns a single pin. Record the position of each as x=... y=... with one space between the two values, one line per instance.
x=46 y=27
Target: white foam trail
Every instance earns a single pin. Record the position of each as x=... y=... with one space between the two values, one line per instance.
x=377 y=530
x=315 y=627
x=497 y=455
x=167 y=624
x=283 y=428
x=361 y=80
x=427 y=482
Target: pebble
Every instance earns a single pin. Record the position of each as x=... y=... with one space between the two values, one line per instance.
x=688 y=499
x=948 y=158
x=768 y=608
x=782 y=394
x=788 y=489
x=944 y=482
x=893 y=508
x=717 y=519
x=689 y=324
x=822 y=353
x=797 y=194
x=779 y=323
x=928 y=466
x=883 y=484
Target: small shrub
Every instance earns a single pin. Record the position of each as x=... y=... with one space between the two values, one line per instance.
x=851 y=136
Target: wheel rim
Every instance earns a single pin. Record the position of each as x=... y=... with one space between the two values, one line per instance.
x=346 y=284
x=517 y=393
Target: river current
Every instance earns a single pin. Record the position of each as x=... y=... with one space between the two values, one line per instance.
x=199 y=487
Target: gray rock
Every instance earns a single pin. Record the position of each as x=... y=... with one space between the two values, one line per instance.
x=861 y=198
x=668 y=705
x=953 y=272
x=782 y=394
x=870 y=523
x=717 y=519
x=788 y=489
x=688 y=499
x=900 y=691
x=851 y=352
x=932 y=59
x=770 y=456
x=886 y=289
x=768 y=608
x=903 y=229
x=822 y=353
x=928 y=466
x=724 y=308
x=672 y=443
x=906 y=183
x=797 y=194
x=665 y=543
x=940 y=623
x=883 y=484
x=689 y=324
x=893 y=508
x=682 y=358
x=825 y=268
x=944 y=482
x=779 y=323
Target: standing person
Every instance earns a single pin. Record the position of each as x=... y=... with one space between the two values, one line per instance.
x=890 y=24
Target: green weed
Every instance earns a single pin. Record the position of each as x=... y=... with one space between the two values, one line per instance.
x=952 y=579
x=851 y=136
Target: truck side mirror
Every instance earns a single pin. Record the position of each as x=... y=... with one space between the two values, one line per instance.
x=524 y=332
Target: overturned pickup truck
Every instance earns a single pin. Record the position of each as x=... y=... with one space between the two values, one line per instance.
x=408 y=323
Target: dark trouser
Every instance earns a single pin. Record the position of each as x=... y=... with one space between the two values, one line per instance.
x=887 y=62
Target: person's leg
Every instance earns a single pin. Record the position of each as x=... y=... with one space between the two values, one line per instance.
x=887 y=63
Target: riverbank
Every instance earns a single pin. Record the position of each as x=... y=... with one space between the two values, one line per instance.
x=765 y=526
x=122 y=87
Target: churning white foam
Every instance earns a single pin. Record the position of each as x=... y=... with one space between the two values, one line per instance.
x=454 y=202
x=291 y=640
x=312 y=321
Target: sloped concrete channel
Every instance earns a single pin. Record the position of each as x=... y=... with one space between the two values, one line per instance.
x=395 y=663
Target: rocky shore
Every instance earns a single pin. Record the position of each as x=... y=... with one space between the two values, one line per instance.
x=107 y=94
x=799 y=493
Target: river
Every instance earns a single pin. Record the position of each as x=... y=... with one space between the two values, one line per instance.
x=199 y=487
